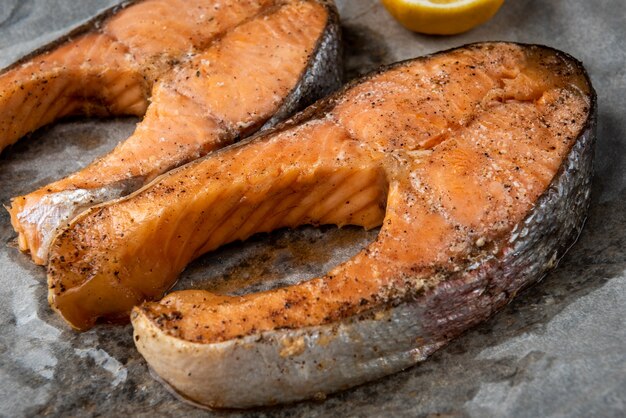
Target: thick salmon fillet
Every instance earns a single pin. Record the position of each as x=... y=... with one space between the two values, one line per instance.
x=450 y=154
x=219 y=73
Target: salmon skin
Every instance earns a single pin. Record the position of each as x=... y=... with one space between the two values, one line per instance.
x=477 y=163
x=222 y=71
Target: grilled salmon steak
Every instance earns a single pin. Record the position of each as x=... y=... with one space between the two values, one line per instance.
x=221 y=71
x=476 y=162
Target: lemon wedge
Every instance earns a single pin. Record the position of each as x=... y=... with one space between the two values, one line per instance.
x=442 y=17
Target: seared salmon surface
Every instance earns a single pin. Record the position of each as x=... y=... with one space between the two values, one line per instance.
x=217 y=73
x=446 y=152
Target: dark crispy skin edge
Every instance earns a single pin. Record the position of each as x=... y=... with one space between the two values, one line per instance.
x=90 y=25
x=575 y=173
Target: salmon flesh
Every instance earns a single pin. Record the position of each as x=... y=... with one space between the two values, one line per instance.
x=476 y=162
x=221 y=71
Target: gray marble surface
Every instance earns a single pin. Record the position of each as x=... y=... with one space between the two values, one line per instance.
x=558 y=350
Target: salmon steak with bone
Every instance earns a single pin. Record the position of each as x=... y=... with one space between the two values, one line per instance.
x=476 y=163
x=222 y=71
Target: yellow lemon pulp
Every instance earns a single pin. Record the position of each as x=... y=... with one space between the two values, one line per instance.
x=442 y=17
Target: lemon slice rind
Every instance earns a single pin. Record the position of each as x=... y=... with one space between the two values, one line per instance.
x=442 y=17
